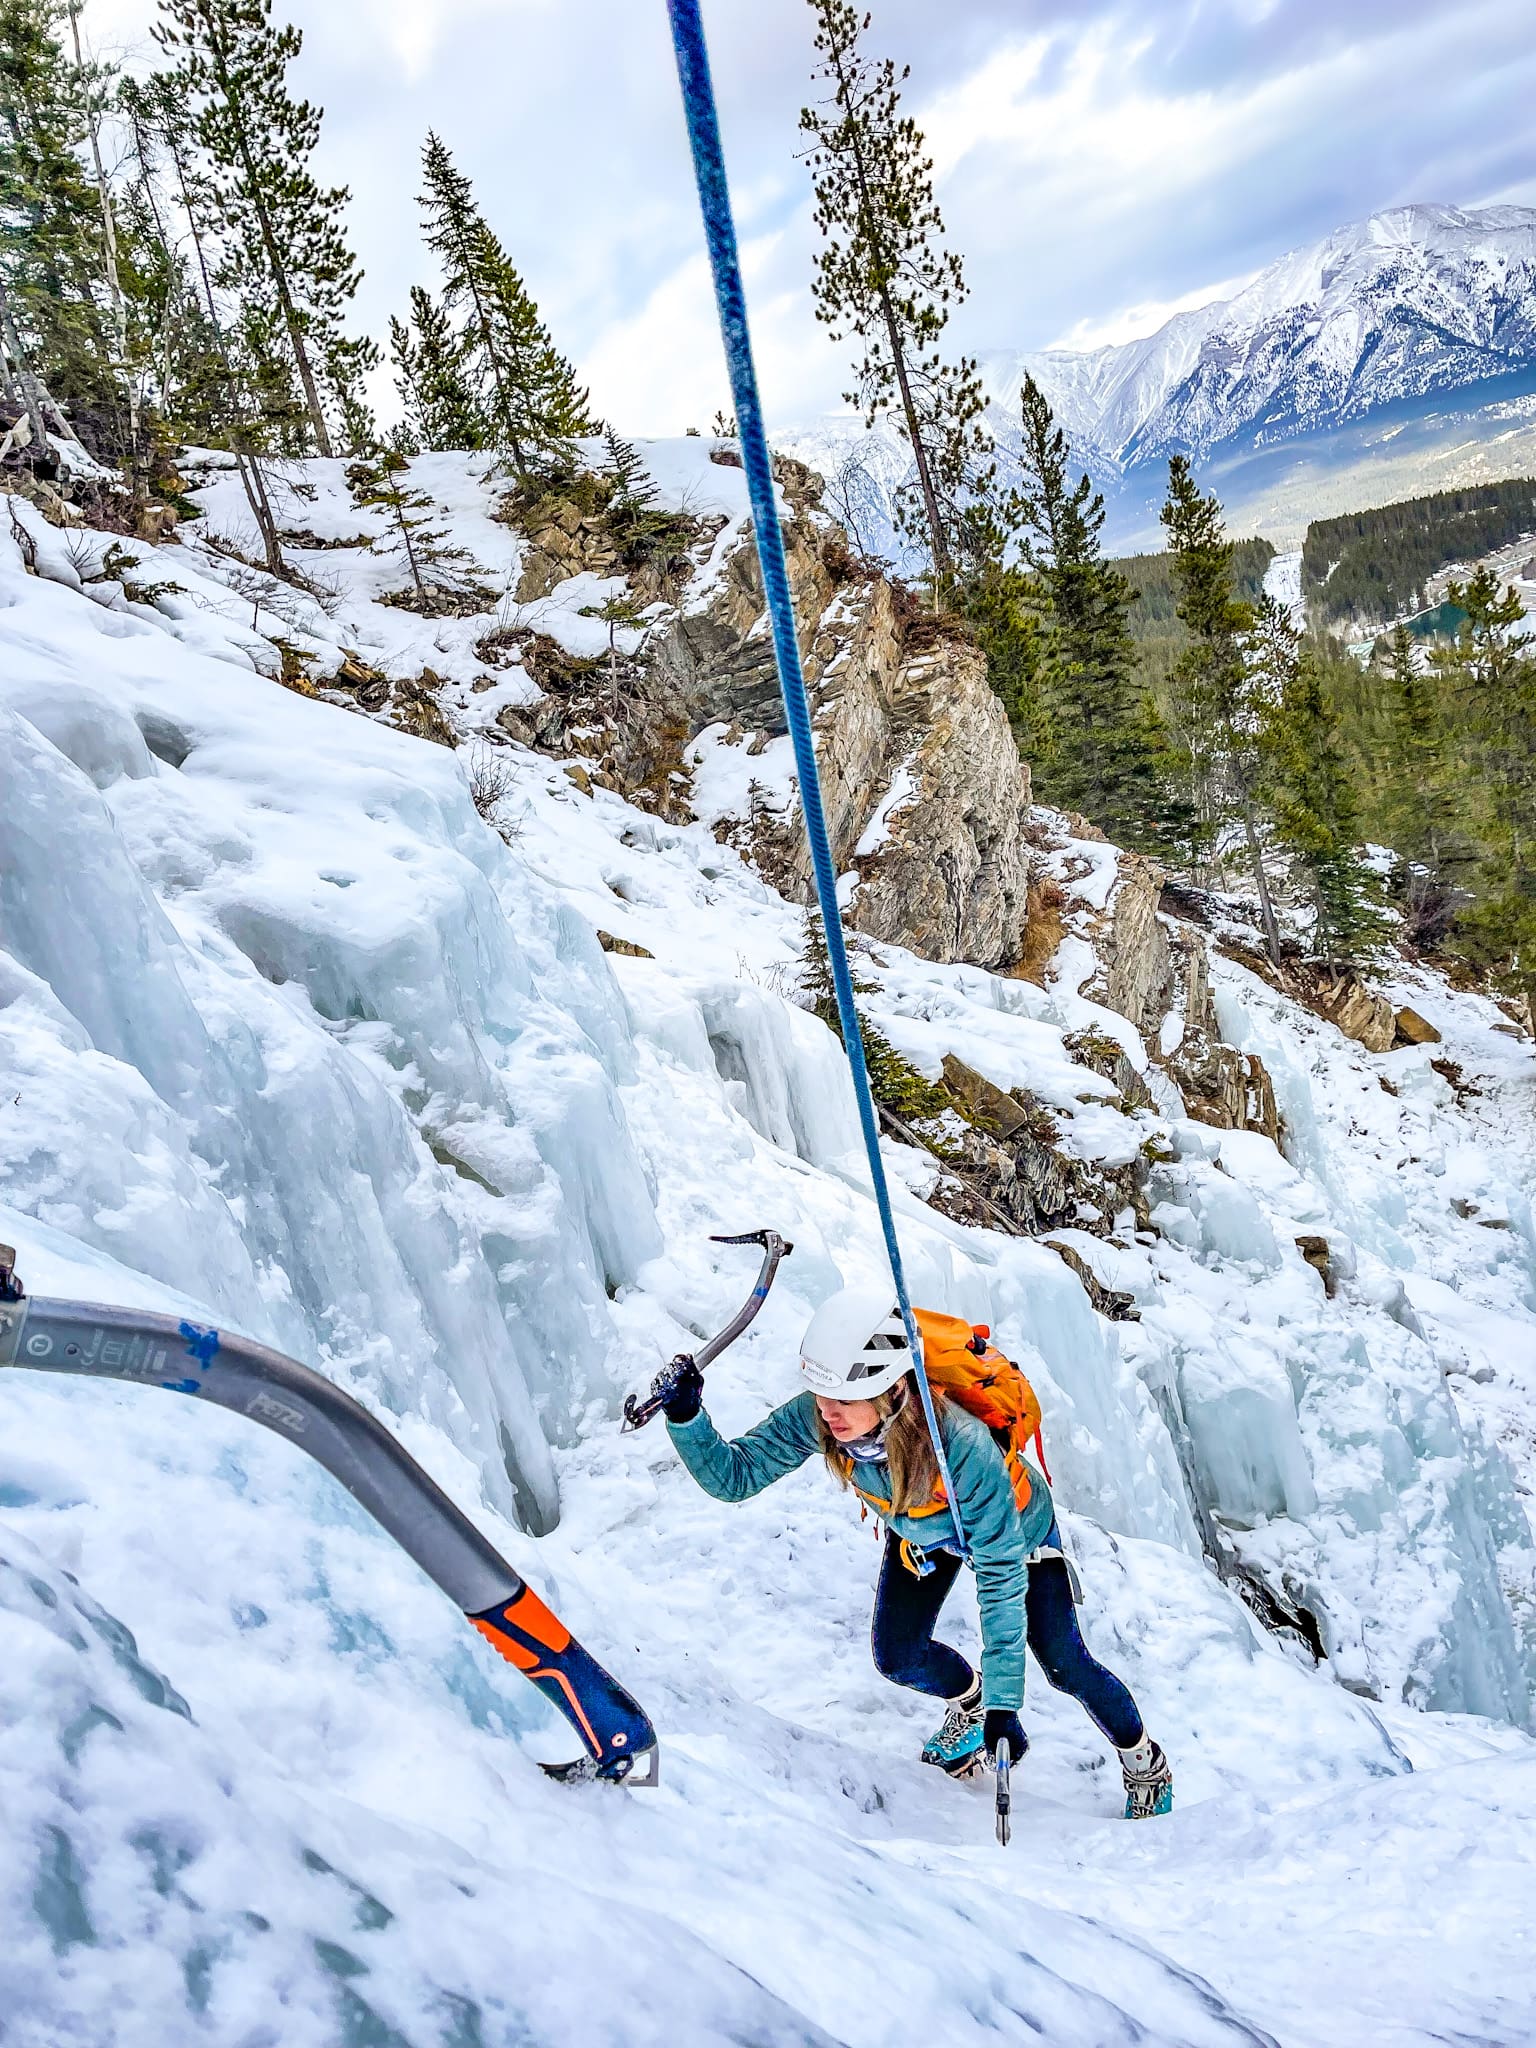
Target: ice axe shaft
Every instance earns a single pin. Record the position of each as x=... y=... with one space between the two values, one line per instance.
x=637 y=1412
x=1004 y=1803
x=96 y=1340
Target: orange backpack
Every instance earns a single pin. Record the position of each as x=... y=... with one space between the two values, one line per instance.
x=963 y=1363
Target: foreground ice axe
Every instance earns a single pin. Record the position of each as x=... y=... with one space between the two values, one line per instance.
x=638 y=1413
x=235 y=1373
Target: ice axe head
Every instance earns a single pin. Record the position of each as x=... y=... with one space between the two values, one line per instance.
x=637 y=1411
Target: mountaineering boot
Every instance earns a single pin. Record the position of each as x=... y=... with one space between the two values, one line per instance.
x=1148 y=1780
x=957 y=1747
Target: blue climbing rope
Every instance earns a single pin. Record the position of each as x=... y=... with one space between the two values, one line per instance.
x=730 y=297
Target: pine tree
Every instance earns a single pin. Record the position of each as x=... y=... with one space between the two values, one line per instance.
x=1207 y=686
x=618 y=611
x=634 y=493
x=431 y=361
x=1108 y=757
x=285 y=253
x=1306 y=774
x=883 y=275
x=52 y=265
x=1491 y=673
x=534 y=408
x=1240 y=656
x=380 y=483
x=894 y=1082
x=91 y=79
x=215 y=377
x=1423 y=807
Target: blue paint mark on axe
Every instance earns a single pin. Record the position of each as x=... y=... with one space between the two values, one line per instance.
x=201 y=1344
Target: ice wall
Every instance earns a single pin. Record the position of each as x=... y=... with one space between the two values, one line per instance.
x=297 y=1035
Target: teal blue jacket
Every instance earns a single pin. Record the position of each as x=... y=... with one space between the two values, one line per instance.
x=1001 y=1537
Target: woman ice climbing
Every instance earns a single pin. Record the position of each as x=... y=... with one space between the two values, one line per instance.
x=860 y=1411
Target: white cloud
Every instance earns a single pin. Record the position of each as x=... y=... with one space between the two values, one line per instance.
x=1098 y=165
x=661 y=369
x=1130 y=323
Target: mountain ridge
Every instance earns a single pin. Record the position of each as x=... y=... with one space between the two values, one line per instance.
x=1379 y=361
x=1409 y=301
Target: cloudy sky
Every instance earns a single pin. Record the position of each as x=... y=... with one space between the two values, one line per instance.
x=1099 y=165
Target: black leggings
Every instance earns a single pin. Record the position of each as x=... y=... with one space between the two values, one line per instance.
x=907 y=1611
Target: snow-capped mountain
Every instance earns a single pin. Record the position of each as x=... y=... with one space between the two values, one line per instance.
x=1398 y=355
x=1416 y=300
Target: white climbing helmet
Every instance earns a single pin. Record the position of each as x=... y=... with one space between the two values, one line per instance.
x=855 y=1346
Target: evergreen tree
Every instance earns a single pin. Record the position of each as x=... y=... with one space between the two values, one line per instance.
x=215 y=378
x=52 y=265
x=431 y=360
x=884 y=276
x=1240 y=655
x=90 y=81
x=1491 y=672
x=894 y=1082
x=533 y=406
x=285 y=252
x=1208 y=681
x=1309 y=781
x=1422 y=804
x=381 y=483
x=634 y=492
x=1108 y=757
x=617 y=612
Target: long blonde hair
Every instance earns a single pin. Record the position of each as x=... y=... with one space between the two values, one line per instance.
x=908 y=1448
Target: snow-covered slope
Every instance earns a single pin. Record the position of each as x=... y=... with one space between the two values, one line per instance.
x=296 y=1041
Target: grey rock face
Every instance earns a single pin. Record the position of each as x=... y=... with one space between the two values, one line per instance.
x=914 y=735
x=1153 y=969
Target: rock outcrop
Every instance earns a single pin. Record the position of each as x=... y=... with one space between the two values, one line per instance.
x=1154 y=970
x=1358 y=1012
x=1007 y=1166
x=1412 y=1029
x=1137 y=975
x=951 y=877
x=1224 y=1087
x=926 y=796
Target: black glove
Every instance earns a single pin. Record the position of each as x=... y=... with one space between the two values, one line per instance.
x=1002 y=1726
x=681 y=1388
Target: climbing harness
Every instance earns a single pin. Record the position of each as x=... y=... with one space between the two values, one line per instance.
x=638 y=1413
x=730 y=297
x=145 y=1349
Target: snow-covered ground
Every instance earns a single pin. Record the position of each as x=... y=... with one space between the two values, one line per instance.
x=1282 y=582
x=294 y=1041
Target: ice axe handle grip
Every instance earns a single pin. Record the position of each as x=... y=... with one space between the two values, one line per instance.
x=638 y=1413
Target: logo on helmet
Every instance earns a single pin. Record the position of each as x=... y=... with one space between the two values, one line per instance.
x=821 y=1377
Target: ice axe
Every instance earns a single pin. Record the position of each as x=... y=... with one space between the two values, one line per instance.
x=101 y=1341
x=637 y=1412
